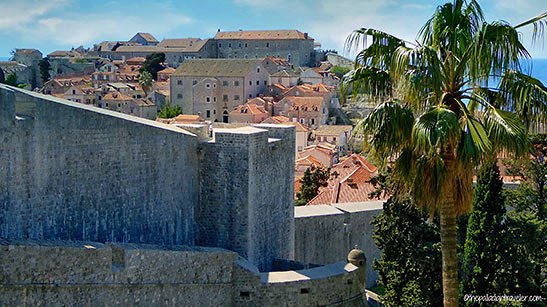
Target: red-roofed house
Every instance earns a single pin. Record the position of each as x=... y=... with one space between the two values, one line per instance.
x=248 y=113
x=348 y=183
x=309 y=111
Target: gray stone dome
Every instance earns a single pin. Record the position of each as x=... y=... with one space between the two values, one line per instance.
x=357 y=257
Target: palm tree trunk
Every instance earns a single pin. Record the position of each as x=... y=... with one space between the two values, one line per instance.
x=449 y=242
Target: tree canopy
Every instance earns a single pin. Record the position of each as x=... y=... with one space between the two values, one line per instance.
x=311 y=181
x=152 y=64
x=446 y=103
x=45 y=67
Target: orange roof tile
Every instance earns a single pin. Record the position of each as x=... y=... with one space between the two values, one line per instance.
x=264 y=34
x=117 y=96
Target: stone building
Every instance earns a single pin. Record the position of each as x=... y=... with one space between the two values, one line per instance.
x=81 y=94
x=248 y=113
x=174 y=53
x=293 y=45
x=337 y=135
x=215 y=87
x=309 y=111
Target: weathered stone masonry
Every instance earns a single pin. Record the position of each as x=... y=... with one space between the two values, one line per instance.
x=74 y=172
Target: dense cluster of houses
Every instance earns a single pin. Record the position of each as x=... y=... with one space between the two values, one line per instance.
x=234 y=78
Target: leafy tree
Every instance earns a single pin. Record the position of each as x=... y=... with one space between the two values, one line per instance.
x=339 y=71
x=80 y=61
x=439 y=115
x=153 y=64
x=169 y=111
x=145 y=81
x=11 y=79
x=410 y=266
x=45 y=67
x=311 y=181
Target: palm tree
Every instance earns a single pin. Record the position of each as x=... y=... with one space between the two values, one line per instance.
x=437 y=114
x=145 y=81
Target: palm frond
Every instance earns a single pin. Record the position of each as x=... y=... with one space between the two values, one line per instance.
x=378 y=52
x=496 y=48
x=539 y=22
x=524 y=95
x=434 y=130
x=417 y=73
x=387 y=129
x=366 y=81
x=506 y=132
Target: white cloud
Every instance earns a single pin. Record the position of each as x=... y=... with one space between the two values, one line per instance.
x=20 y=13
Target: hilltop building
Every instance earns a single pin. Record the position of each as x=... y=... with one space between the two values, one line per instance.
x=215 y=87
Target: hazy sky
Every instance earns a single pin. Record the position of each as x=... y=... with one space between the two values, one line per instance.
x=62 y=24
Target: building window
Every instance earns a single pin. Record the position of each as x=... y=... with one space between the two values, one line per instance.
x=229 y=45
x=195 y=82
x=207 y=99
x=250 y=82
x=106 y=104
x=294 y=119
x=214 y=111
x=257 y=82
x=302 y=121
x=225 y=98
x=236 y=83
x=239 y=45
x=245 y=45
x=299 y=148
x=214 y=85
x=267 y=45
x=324 y=110
x=208 y=113
x=236 y=97
x=207 y=85
x=265 y=82
x=179 y=96
x=224 y=83
x=214 y=99
x=334 y=139
x=119 y=105
x=313 y=121
x=250 y=95
x=258 y=69
x=219 y=45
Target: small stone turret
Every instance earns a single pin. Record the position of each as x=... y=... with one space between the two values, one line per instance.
x=357 y=257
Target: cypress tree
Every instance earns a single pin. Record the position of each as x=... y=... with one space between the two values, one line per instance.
x=484 y=244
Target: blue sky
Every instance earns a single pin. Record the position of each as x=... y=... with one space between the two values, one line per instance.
x=62 y=24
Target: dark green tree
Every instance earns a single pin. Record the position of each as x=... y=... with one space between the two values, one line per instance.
x=169 y=111
x=484 y=244
x=311 y=181
x=339 y=71
x=11 y=79
x=410 y=265
x=45 y=67
x=153 y=64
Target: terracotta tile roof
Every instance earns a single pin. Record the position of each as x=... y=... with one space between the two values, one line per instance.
x=167 y=71
x=216 y=67
x=278 y=61
x=135 y=61
x=259 y=101
x=309 y=160
x=299 y=126
x=348 y=183
x=195 y=47
x=303 y=103
x=285 y=73
x=187 y=118
x=263 y=34
x=27 y=51
x=117 y=96
x=148 y=37
x=178 y=42
x=334 y=130
x=144 y=102
x=59 y=53
x=249 y=108
x=276 y=120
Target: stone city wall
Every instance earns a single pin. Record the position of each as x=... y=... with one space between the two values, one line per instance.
x=76 y=273
x=69 y=171
x=325 y=234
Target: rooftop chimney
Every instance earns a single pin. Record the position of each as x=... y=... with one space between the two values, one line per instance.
x=305 y=35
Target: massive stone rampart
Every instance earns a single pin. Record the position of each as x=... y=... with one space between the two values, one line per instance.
x=325 y=234
x=69 y=171
x=76 y=273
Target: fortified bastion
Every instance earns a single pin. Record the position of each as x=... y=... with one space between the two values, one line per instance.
x=102 y=208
